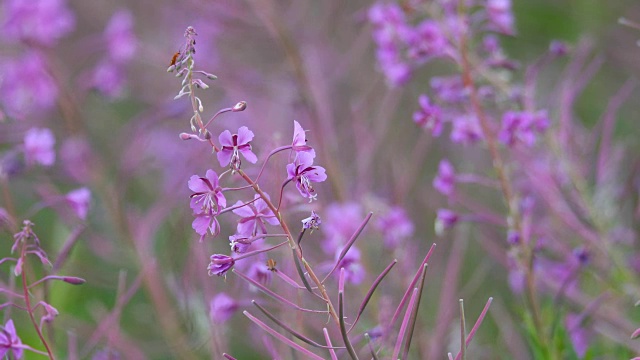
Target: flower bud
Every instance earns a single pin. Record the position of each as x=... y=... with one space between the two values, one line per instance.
x=73 y=280
x=185 y=136
x=239 y=106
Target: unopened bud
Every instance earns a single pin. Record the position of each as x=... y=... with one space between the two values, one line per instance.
x=207 y=134
x=73 y=280
x=185 y=136
x=171 y=68
x=211 y=77
x=239 y=106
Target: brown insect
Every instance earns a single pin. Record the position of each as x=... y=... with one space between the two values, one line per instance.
x=174 y=58
x=271 y=265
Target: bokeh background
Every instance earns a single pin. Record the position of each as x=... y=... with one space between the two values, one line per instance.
x=310 y=61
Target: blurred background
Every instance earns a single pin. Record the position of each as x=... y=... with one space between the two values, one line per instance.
x=116 y=127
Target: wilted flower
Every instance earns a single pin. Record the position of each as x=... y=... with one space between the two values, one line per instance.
x=312 y=222
x=220 y=264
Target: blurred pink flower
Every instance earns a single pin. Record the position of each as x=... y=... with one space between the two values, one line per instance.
x=42 y=22
x=395 y=226
x=121 y=41
x=108 y=78
x=26 y=85
x=445 y=180
x=79 y=200
x=9 y=340
x=221 y=308
x=428 y=116
x=38 y=146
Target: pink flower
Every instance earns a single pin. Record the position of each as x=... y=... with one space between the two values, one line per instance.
x=9 y=340
x=445 y=180
x=221 y=308
x=428 y=116
x=207 y=197
x=254 y=216
x=38 y=146
x=299 y=143
x=354 y=271
x=108 y=78
x=220 y=264
x=395 y=226
x=466 y=130
x=304 y=173
x=40 y=21
x=121 y=41
x=79 y=200
x=234 y=145
x=26 y=85
x=205 y=222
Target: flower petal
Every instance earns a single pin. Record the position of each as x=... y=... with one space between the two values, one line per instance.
x=244 y=135
x=224 y=157
x=225 y=138
x=248 y=154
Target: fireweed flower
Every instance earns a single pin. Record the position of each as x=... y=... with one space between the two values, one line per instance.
x=466 y=129
x=239 y=243
x=395 y=226
x=445 y=180
x=522 y=127
x=220 y=264
x=254 y=215
x=341 y=221
x=426 y=41
x=501 y=16
x=221 y=308
x=299 y=143
x=38 y=147
x=389 y=30
x=445 y=220
x=428 y=116
x=449 y=89
x=205 y=222
x=108 y=78
x=234 y=145
x=207 y=197
x=26 y=85
x=9 y=340
x=121 y=41
x=580 y=336
x=42 y=22
x=313 y=222
x=303 y=172
x=353 y=269
x=79 y=200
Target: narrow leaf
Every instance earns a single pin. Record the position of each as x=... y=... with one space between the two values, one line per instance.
x=280 y=337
